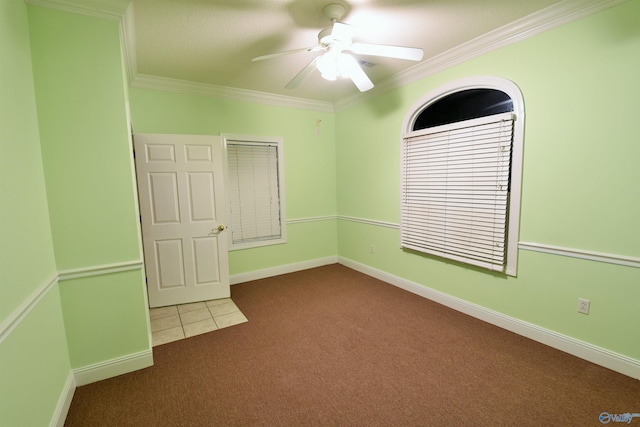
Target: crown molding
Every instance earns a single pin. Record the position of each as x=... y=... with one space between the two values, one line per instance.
x=112 y=10
x=105 y=9
x=122 y=10
x=536 y=23
x=128 y=41
x=183 y=86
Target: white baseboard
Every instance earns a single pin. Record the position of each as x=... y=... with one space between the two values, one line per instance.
x=281 y=269
x=598 y=355
x=114 y=367
x=64 y=403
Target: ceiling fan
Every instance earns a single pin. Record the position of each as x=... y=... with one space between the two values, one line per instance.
x=335 y=41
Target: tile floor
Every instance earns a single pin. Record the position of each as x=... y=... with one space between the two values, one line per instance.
x=176 y=322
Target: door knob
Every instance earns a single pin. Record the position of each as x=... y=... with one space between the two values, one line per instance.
x=221 y=227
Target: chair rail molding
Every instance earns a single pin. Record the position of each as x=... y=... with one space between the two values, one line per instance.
x=581 y=254
x=14 y=319
x=99 y=270
x=20 y=312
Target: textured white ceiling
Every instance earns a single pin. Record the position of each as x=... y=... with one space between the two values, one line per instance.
x=213 y=41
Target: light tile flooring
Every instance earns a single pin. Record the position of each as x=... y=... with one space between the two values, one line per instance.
x=176 y=322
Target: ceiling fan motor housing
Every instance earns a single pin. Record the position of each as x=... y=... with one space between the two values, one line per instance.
x=334 y=62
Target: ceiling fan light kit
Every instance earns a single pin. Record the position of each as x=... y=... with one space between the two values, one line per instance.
x=329 y=66
x=334 y=62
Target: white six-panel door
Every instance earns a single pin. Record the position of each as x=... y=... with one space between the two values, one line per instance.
x=182 y=203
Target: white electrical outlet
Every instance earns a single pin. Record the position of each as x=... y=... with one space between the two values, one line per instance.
x=583 y=305
x=373 y=249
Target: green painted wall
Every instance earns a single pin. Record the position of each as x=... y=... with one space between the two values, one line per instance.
x=66 y=188
x=309 y=162
x=26 y=234
x=81 y=110
x=580 y=86
x=87 y=156
x=104 y=318
x=305 y=241
x=34 y=361
x=34 y=366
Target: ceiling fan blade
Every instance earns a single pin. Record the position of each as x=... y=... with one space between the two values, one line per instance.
x=286 y=52
x=400 y=52
x=355 y=73
x=308 y=69
x=342 y=31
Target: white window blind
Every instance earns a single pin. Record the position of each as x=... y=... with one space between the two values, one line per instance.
x=455 y=190
x=254 y=191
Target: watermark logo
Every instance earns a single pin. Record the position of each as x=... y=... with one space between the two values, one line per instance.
x=606 y=418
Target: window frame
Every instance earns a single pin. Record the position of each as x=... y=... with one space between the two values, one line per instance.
x=252 y=139
x=513 y=91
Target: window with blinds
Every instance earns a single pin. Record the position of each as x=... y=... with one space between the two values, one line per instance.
x=255 y=193
x=455 y=186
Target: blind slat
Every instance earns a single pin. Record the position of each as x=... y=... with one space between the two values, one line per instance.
x=254 y=191
x=454 y=190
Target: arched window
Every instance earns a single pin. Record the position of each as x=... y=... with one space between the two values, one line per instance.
x=461 y=173
x=463 y=105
